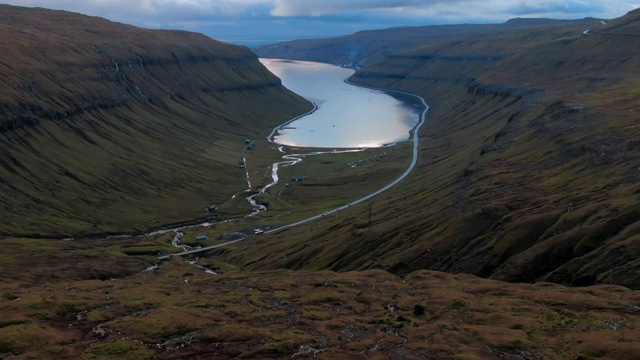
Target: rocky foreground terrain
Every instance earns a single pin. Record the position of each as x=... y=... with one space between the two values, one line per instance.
x=180 y=312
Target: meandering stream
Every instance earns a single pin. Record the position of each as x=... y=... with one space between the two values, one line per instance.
x=405 y=115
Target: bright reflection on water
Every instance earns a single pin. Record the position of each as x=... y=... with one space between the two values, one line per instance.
x=347 y=115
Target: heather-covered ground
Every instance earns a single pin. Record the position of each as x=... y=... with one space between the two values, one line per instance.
x=179 y=311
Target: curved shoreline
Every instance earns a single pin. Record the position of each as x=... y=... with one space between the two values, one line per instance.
x=387 y=127
x=209 y=221
x=414 y=161
x=279 y=127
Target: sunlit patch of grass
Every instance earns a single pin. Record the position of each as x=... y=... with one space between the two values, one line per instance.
x=119 y=349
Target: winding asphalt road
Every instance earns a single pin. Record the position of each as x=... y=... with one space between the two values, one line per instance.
x=194 y=251
x=414 y=162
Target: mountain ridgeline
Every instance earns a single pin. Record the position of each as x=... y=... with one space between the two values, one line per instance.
x=106 y=127
x=528 y=167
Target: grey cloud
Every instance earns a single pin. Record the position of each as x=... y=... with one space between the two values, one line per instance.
x=324 y=17
x=325 y=7
x=174 y=11
x=463 y=9
x=533 y=8
x=155 y=10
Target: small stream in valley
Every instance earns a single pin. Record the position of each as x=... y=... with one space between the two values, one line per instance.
x=346 y=118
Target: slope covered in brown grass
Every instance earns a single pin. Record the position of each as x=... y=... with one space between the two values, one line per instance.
x=178 y=311
x=105 y=127
x=528 y=169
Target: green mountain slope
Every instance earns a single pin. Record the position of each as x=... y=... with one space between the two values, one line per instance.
x=105 y=127
x=528 y=169
x=368 y=47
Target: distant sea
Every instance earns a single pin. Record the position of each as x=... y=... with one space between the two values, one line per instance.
x=255 y=41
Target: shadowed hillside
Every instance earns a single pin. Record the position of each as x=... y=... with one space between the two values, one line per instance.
x=180 y=312
x=106 y=127
x=368 y=47
x=528 y=169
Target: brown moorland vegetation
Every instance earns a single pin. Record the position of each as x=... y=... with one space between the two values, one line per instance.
x=178 y=311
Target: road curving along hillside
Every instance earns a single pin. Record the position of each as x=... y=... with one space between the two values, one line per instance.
x=529 y=166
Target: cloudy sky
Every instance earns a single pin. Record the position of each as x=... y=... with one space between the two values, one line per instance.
x=244 y=20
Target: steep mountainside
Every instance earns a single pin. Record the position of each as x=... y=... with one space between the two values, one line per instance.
x=365 y=48
x=106 y=127
x=528 y=169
